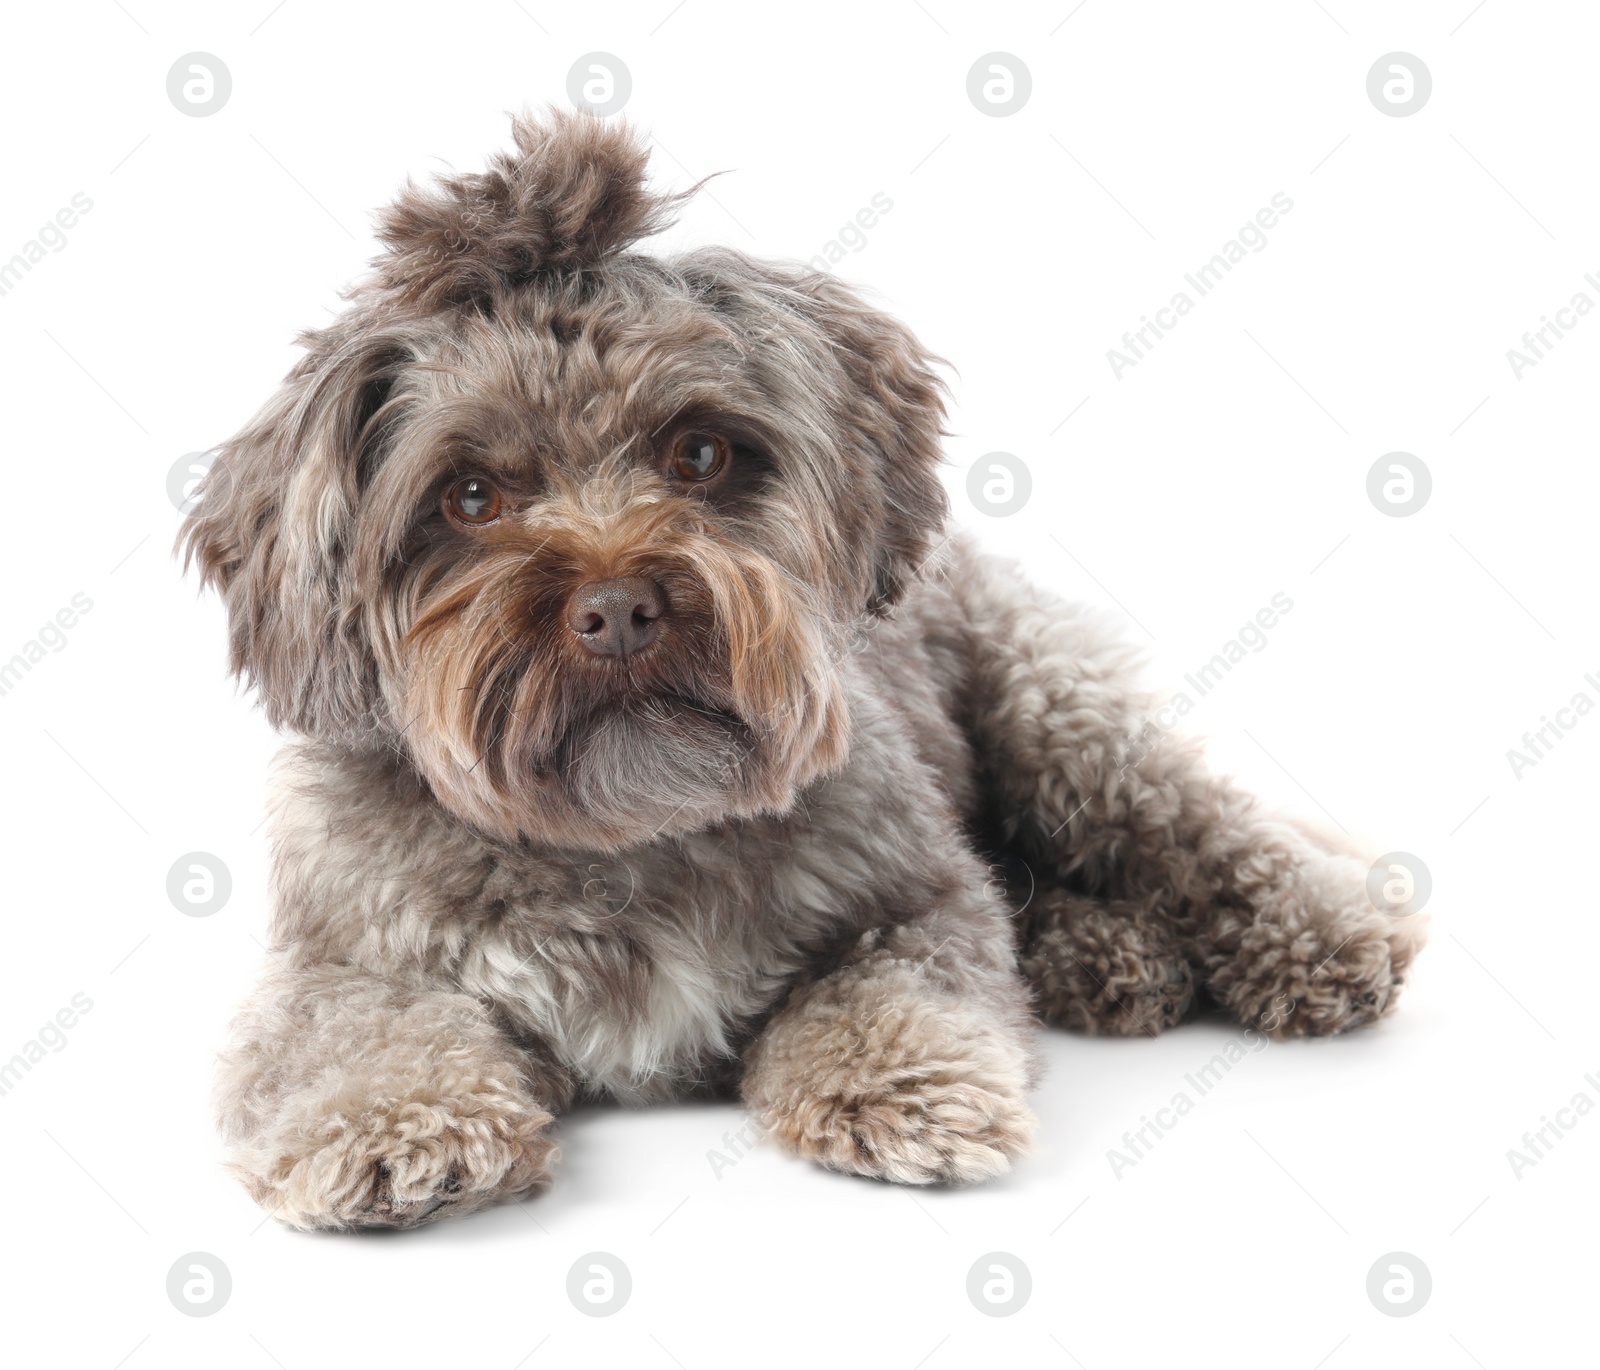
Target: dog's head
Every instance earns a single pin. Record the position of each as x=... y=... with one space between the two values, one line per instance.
x=578 y=531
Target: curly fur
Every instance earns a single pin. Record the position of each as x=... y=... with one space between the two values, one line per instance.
x=572 y=195
x=756 y=855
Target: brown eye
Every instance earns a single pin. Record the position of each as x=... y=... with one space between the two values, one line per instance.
x=698 y=456
x=473 y=502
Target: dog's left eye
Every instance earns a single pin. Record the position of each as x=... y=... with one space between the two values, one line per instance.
x=699 y=456
x=473 y=502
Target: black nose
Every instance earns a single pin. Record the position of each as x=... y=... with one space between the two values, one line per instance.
x=616 y=617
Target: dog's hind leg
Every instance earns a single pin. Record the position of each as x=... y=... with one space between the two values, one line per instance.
x=1083 y=782
x=1107 y=969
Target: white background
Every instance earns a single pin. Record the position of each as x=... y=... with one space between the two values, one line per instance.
x=1227 y=466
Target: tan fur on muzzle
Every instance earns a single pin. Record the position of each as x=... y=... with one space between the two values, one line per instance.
x=499 y=691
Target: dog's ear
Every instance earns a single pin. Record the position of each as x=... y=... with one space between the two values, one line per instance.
x=822 y=343
x=274 y=522
x=898 y=410
x=572 y=194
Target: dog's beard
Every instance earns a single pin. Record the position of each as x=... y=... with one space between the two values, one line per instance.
x=657 y=756
x=524 y=734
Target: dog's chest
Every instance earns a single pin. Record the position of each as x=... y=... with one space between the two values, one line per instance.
x=649 y=978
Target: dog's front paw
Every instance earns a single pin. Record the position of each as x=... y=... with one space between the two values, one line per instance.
x=398 y=1160
x=1313 y=956
x=903 y=1089
x=911 y=1131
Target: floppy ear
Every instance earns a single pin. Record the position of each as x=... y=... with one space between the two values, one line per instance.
x=897 y=409
x=821 y=346
x=274 y=522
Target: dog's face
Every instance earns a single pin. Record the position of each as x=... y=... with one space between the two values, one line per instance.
x=579 y=532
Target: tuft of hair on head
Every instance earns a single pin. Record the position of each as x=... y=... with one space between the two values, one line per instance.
x=571 y=195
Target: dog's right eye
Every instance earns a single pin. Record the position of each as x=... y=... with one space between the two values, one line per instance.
x=473 y=502
x=698 y=456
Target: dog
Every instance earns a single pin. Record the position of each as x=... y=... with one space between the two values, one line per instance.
x=657 y=736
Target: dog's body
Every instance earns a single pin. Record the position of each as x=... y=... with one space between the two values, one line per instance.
x=741 y=838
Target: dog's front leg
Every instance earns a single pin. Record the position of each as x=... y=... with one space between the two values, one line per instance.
x=352 y=1102
x=911 y=1060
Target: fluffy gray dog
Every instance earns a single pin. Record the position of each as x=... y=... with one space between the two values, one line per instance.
x=657 y=737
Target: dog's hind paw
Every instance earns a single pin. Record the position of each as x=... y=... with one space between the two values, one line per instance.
x=1313 y=955
x=1104 y=969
